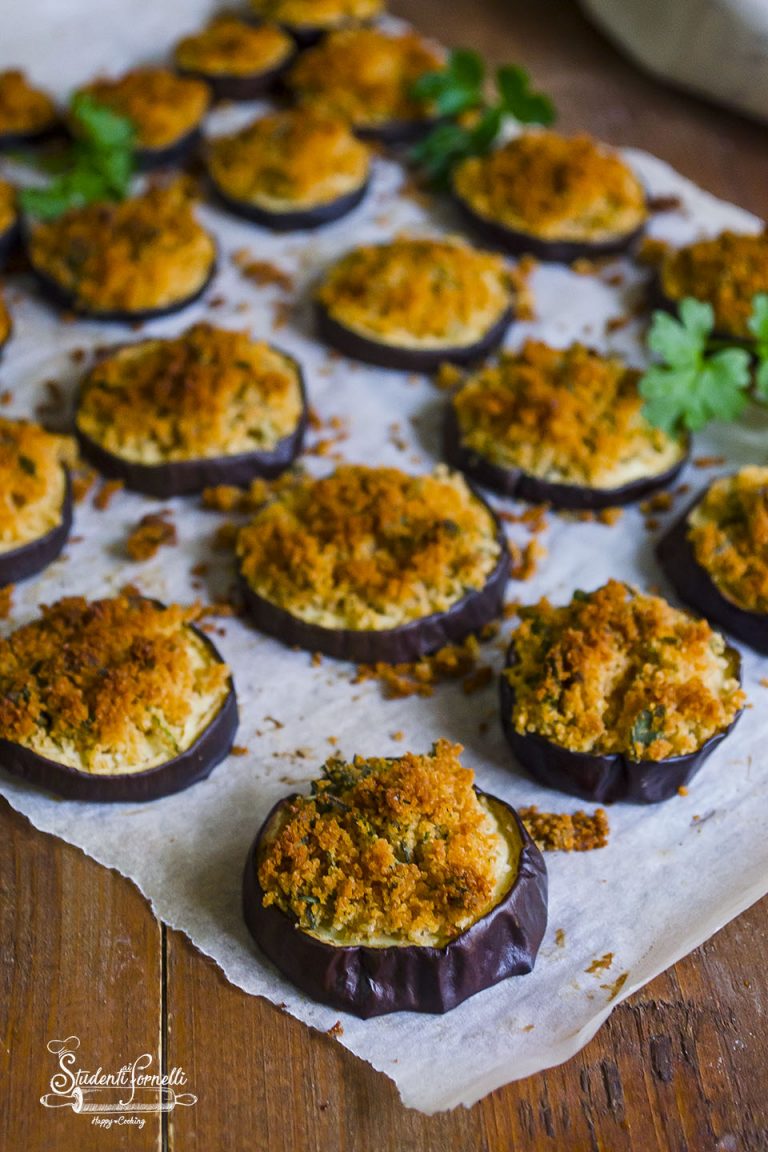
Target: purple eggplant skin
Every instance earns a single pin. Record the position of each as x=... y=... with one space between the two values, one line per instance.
x=519 y=243
x=398 y=132
x=186 y=477
x=12 y=140
x=298 y=220
x=400 y=645
x=412 y=978
x=193 y=764
x=384 y=355
x=229 y=86
x=62 y=298
x=21 y=563
x=603 y=779
x=172 y=156
x=8 y=238
x=522 y=485
x=695 y=587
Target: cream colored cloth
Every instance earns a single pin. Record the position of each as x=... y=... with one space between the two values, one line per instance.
x=718 y=48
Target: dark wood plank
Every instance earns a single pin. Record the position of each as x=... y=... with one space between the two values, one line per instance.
x=679 y=1066
x=80 y=954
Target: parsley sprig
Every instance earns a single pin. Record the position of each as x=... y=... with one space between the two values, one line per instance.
x=97 y=166
x=469 y=123
x=698 y=378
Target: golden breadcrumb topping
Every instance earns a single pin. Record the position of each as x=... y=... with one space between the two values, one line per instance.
x=728 y=530
x=555 y=187
x=364 y=76
x=5 y=321
x=146 y=252
x=568 y=415
x=230 y=47
x=32 y=481
x=164 y=107
x=616 y=671
x=293 y=159
x=418 y=292
x=209 y=392
x=566 y=831
x=109 y=686
x=322 y=14
x=389 y=850
x=726 y=271
x=7 y=206
x=23 y=108
x=369 y=548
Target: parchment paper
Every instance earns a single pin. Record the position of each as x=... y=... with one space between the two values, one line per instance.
x=671 y=875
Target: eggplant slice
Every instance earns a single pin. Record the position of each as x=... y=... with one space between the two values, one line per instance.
x=195 y=763
x=229 y=86
x=298 y=220
x=8 y=238
x=410 y=978
x=29 y=559
x=695 y=587
x=400 y=645
x=185 y=477
x=173 y=155
x=358 y=347
x=522 y=485
x=603 y=778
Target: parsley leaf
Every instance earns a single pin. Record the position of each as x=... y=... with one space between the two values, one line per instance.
x=98 y=165
x=517 y=99
x=643 y=731
x=692 y=385
x=758 y=326
x=455 y=88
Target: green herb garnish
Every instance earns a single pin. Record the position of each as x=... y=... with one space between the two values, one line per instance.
x=97 y=166
x=470 y=123
x=643 y=731
x=698 y=378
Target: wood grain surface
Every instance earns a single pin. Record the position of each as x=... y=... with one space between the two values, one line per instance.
x=680 y=1067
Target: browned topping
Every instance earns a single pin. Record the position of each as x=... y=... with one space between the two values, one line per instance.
x=364 y=76
x=261 y=272
x=148 y=537
x=525 y=561
x=708 y=461
x=419 y=678
x=600 y=964
x=107 y=685
x=554 y=187
x=566 y=831
x=567 y=415
x=83 y=479
x=32 y=482
x=142 y=253
x=208 y=392
x=728 y=530
x=164 y=107
x=238 y=750
x=369 y=548
x=108 y=490
x=322 y=14
x=228 y=498
x=7 y=203
x=726 y=271
x=617 y=671
x=420 y=292
x=400 y=848
x=289 y=160
x=230 y=47
x=23 y=109
x=6 y=601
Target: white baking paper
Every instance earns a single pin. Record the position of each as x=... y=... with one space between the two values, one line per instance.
x=672 y=874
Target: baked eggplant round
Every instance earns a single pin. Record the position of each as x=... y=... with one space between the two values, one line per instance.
x=27 y=115
x=6 y=325
x=166 y=110
x=396 y=886
x=9 y=221
x=716 y=555
x=118 y=699
x=290 y=170
x=130 y=261
x=554 y=197
x=559 y=426
x=412 y=304
x=309 y=20
x=725 y=271
x=237 y=61
x=35 y=498
x=373 y=565
x=365 y=76
x=617 y=695
x=171 y=417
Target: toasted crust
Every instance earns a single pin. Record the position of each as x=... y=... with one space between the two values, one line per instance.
x=317 y=15
x=728 y=530
x=32 y=481
x=163 y=107
x=230 y=47
x=25 y=111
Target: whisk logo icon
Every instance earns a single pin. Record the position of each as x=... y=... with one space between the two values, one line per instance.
x=113 y=1097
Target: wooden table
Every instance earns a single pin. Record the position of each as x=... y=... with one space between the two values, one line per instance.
x=681 y=1065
